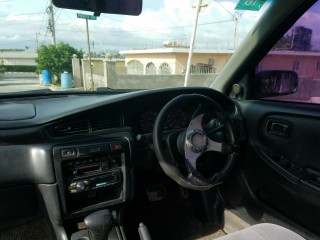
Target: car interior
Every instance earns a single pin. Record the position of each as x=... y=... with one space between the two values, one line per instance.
x=235 y=160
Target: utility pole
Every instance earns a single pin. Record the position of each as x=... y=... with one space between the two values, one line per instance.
x=51 y=23
x=37 y=41
x=198 y=7
x=89 y=53
x=235 y=37
x=88 y=17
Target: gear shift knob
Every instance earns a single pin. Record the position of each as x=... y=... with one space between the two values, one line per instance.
x=98 y=225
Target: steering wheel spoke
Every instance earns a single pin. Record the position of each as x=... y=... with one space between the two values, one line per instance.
x=196 y=123
x=224 y=148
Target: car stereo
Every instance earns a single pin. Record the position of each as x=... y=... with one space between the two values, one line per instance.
x=92 y=174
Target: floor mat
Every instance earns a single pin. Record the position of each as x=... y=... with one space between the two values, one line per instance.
x=207 y=236
x=36 y=230
x=166 y=220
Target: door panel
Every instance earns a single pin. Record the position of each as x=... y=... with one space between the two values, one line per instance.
x=282 y=158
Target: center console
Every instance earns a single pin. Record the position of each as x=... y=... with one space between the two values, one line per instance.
x=93 y=175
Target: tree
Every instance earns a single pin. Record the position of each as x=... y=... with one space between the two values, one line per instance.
x=56 y=59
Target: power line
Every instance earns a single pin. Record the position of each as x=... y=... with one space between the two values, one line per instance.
x=44 y=14
x=232 y=14
x=153 y=30
x=173 y=27
x=72 y=20
x=121 y=34
x=58 y=16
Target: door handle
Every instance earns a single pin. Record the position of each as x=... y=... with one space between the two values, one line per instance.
x=277 y=128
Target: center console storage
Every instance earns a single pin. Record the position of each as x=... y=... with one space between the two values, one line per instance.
x=93 y=175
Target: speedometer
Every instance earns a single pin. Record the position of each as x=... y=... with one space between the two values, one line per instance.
x=147 y=120
x=176 y=119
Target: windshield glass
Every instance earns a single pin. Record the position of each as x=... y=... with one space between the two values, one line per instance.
x=44 y=47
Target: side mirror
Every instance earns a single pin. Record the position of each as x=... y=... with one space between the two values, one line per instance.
x=275 y=83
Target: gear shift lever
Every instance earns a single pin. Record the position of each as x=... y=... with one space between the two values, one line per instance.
x=98 y=225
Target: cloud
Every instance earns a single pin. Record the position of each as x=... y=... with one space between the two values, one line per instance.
x=23 y=18
x=170 y=20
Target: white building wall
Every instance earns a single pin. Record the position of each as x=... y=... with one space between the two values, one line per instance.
x=17 y=61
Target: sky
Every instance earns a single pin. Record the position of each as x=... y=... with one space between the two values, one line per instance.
x=22 y=21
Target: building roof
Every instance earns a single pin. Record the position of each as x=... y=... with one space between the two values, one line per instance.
x=18 y=54
x=174 y=50
x=294 y=53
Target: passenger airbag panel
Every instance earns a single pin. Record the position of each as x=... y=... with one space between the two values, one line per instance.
x=26 y=164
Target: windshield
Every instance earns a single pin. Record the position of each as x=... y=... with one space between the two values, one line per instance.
x=168 y=45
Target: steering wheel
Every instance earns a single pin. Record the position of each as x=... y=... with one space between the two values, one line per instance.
x=193 y=143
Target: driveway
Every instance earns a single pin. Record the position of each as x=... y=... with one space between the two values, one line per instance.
x=16 y=82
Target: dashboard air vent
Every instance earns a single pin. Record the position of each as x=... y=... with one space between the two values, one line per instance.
x=70 y=128
x=105 y=122
x=88 y=125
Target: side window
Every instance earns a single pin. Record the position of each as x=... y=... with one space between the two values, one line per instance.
x=299 y=51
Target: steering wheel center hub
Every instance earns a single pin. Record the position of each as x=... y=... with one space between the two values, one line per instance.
x=197 y=140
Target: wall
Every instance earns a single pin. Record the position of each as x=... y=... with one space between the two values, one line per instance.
x=162 y=81
x=18 y=61
x=220 y=60
x=105 y=75
x=178 y=61
x=284 y=61
x=98 y=73
x=22 y=58
x=76 y=73
x=156 y=59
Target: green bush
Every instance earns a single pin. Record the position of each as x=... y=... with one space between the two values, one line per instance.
x=56 y=59
x=2 y=70
x=19 y=68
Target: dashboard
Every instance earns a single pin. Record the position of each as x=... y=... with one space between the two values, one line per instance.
x=81 y=152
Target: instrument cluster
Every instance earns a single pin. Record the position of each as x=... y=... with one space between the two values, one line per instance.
x=177 y=118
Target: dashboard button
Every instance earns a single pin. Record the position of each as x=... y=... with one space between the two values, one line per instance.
x=104 y=164
x=69 y=152
x=80 y=186
x=115 y=146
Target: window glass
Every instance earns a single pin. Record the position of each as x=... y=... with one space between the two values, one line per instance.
x=45 y=47
x=299 y=50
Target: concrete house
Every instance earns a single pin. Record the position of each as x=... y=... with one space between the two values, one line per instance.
x=173 y=60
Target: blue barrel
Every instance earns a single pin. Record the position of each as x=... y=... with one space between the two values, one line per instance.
x=46 y=77
x=66 y=80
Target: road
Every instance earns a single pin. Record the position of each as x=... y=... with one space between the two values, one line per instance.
x=16 y=82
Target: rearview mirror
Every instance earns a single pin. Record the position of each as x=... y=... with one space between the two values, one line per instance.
x=275 y=83
x=125 y=7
